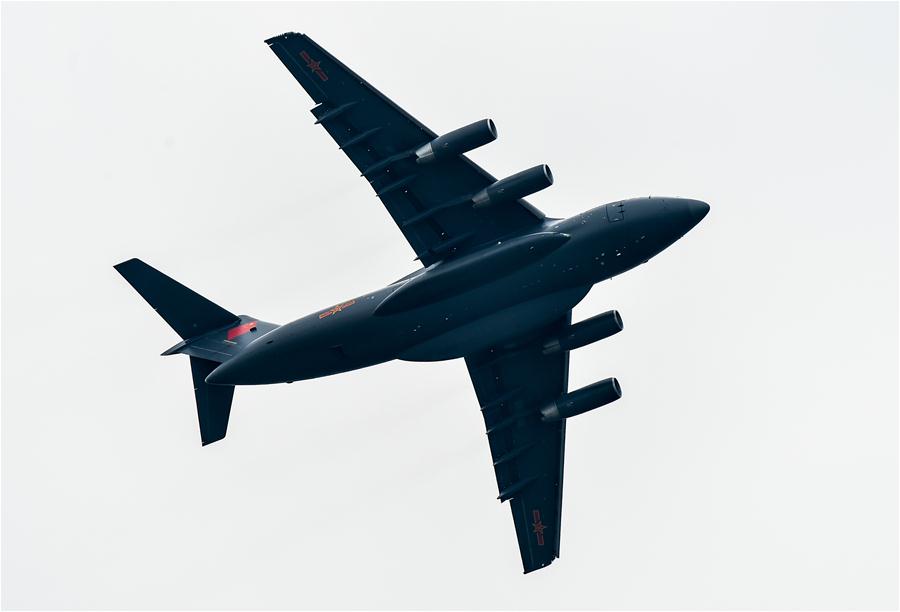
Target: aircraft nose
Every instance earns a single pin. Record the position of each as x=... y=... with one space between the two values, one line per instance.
x=698 y=210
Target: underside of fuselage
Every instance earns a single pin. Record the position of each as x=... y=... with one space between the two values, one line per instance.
x=497 y=329
x=352 y=335
x=485 y=299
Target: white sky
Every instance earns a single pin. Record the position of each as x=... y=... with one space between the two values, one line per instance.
x=753 y=462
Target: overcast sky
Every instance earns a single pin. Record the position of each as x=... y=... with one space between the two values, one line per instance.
x=753 y=461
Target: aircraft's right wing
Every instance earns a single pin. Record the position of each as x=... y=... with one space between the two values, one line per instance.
x=429 y=202
x=512 y=386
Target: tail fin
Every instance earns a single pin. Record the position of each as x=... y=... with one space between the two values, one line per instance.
x=210 y=335
x=213 y=401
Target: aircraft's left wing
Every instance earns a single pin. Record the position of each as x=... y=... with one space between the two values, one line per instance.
x=380 y=138
x=512 y=386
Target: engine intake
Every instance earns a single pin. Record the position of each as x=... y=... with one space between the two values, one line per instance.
x=514 y=187
x=458 y=141
x=587 y=398
x=586 y=332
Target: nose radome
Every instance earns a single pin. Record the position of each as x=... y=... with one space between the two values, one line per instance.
x=698 y=210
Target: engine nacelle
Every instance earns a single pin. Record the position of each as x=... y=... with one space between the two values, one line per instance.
x=587 y=398
x=586 y=332
x=514 y=187
x=458 y=141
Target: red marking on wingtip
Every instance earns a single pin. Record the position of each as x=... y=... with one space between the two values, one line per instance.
x=538 y=527
x=313 y=65
x=240 y=330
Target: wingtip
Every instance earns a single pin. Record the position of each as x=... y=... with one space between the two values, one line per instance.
x=125 y=263
x=541 y=566
x=285 y=35
x=206 y=441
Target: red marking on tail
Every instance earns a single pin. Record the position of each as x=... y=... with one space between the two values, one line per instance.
x=240 y=330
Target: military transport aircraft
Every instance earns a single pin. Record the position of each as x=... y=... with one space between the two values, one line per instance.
x=497 y=286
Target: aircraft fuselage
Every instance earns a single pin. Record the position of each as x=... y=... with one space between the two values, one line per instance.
x=480 y=300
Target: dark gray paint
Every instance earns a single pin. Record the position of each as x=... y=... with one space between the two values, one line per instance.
x=498 y=287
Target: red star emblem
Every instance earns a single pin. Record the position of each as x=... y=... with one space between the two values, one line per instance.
x=538 y=527
x=314 y=66
x=336 y=309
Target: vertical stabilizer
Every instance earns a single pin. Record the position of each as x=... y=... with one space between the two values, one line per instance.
x=213 y=401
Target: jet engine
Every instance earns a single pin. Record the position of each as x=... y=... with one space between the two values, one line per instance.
x=458 y=141
x=514 y=187
x=587 y=398
x=586 y=332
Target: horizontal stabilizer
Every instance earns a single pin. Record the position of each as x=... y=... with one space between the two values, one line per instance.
x=188 y=313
